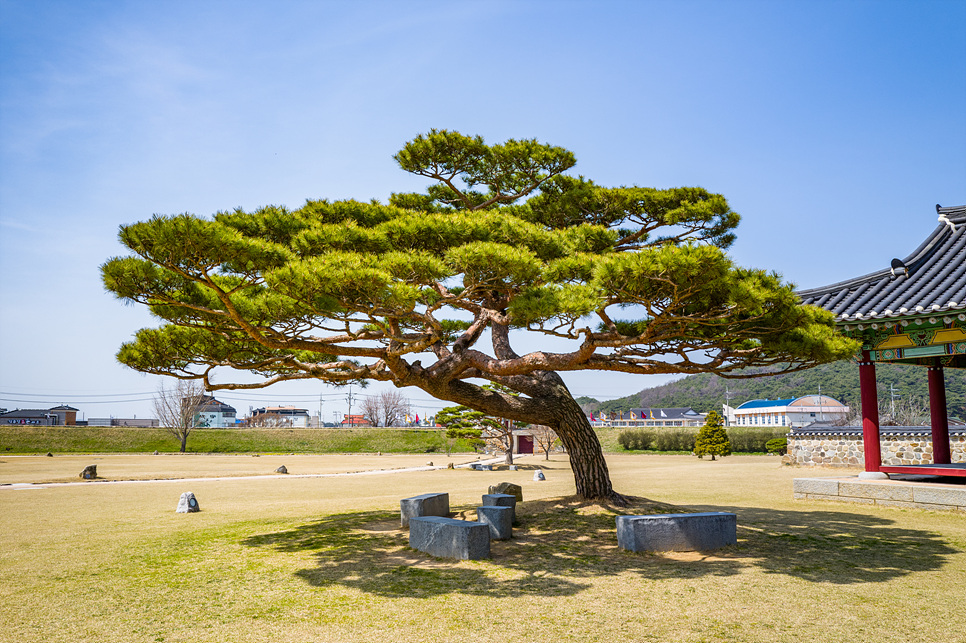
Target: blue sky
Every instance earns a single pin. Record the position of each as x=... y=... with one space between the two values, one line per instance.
x=833 y=128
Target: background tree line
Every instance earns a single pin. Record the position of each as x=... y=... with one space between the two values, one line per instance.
x=840 y=380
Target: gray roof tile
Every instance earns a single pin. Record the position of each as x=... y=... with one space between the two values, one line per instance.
x=931 y=279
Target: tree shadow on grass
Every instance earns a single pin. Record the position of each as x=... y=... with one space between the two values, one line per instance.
x=562 y=544
x=835 y=546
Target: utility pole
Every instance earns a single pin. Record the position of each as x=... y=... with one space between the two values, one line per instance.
x=727 y=405
x=320 y=412
x=821 y=407
x=349 y=399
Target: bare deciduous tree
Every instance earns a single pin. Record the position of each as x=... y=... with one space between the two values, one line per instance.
x=499 y=437
x=371 y=410
x=388 y=408
x=177 y=408
x=545 y=437
x=270 y=421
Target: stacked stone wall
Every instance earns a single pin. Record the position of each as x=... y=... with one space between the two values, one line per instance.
x=844 y=448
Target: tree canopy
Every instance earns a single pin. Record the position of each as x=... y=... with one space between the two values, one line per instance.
x=452 y=288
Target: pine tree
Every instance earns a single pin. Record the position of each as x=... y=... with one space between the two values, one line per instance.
x=712 y=439
x=503 y=247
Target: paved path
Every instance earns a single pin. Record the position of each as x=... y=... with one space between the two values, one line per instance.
x=24 y=486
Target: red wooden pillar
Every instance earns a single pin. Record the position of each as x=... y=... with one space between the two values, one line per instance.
x=937 y=414
x=870 y=413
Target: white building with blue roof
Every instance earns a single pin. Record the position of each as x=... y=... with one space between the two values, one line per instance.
x=789 y=412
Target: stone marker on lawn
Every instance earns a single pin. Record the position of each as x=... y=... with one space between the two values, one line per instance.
x=89 y=472
x=510 y=488
x=187 y=504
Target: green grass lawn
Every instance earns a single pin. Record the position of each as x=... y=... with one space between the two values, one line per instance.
x=322 y=559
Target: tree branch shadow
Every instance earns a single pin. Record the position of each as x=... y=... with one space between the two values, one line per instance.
x=562 y=544
x=838 y=547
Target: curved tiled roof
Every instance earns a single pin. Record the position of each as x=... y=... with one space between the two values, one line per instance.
x=930 y=280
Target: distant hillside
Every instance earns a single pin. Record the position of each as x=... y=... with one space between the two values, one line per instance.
x=840 y=380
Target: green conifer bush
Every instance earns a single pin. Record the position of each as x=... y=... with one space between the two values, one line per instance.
x=712 y=438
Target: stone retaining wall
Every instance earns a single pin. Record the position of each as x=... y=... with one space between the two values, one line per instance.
x=843 y=448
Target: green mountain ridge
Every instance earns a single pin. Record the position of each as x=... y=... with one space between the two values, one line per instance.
x=840 y=380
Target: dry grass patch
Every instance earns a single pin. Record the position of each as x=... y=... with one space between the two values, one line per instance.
x=322 y=559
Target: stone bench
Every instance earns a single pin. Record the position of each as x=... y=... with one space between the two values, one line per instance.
x=498 y=519
x=427 y=504
x=449 y=538
x=502 y=500
x=677 y=532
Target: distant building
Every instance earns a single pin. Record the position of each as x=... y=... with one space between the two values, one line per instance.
x=66 y=415
x=355 y=420
x=213 y=414
x=280 y=416
x=790 y=412
x=62 y=415
x=650 y=417
x=140 y=423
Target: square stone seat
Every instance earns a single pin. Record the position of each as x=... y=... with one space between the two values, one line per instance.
x=427 y=504
x=502 y=500
x=499 y=519
x=677 y=532
x=449 y=538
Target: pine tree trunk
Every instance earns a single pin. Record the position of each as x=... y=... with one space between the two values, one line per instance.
x=591 y=475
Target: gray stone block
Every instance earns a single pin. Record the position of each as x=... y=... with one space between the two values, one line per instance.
x=677 y=532
x=449 y=538
x=427 y=504
x=502 y=500
x=878 y=491
x=940 y=496
x=821 y=486
x=498 y=519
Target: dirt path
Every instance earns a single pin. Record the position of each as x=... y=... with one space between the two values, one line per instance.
x=25 y=486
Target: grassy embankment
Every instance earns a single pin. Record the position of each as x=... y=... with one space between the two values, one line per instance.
x=25 y=440
x=28 y=440
x=323 y=559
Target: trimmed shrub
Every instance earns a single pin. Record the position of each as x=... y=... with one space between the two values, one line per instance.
x=752 y=439
x=674 y=440
x=635 y=440
x=778 y=445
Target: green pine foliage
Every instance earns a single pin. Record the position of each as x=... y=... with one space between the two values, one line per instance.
x=712 y=438
x=778 y=445
x=503 y=244
x=464 y=423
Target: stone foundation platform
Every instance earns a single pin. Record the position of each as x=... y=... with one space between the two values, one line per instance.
x=910 y=493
